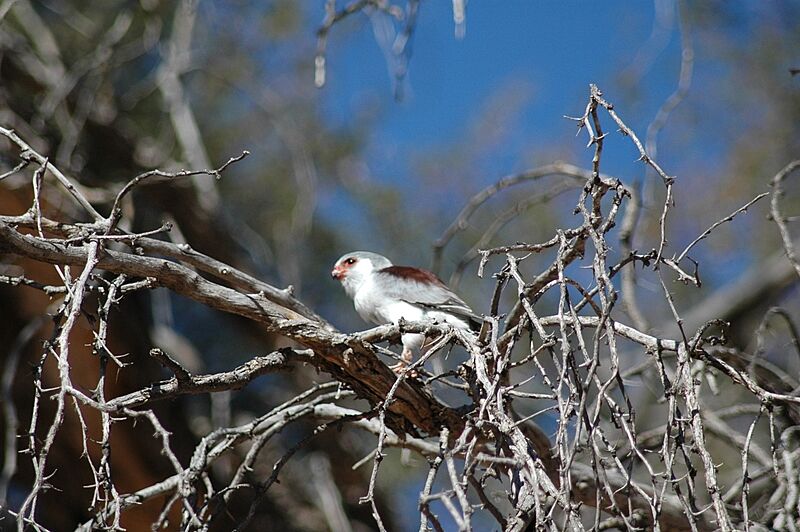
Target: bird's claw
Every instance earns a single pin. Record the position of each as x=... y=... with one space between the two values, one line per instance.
x=402 y=367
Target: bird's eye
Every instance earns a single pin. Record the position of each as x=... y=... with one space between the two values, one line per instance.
x=350 y=261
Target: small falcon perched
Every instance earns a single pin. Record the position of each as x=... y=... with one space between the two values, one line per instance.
x=383 y=293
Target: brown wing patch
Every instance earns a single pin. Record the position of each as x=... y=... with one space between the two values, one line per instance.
x=413 y=274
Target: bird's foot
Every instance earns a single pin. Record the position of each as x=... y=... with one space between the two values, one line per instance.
x=406 y=357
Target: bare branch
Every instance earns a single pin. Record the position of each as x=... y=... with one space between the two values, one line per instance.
x=780 y=220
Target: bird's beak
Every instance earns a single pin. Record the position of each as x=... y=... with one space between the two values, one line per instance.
x=337 y=273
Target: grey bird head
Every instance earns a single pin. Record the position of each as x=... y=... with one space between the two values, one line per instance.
x=353 y=268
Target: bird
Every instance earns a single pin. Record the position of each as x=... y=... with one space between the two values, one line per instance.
x=383 y=293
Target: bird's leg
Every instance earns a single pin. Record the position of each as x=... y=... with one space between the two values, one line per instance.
x=406 y=358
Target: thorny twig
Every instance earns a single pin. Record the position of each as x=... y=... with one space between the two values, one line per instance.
x=778 y=217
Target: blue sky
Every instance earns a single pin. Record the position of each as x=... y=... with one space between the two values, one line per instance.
x=545 y=54
x=550 y=52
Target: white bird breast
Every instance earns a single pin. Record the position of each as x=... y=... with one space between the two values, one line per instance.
x=372 y=306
